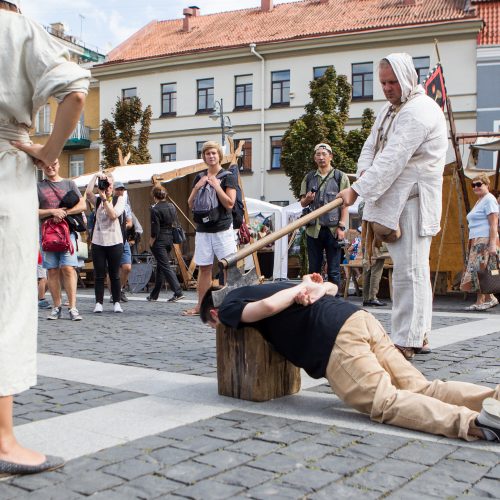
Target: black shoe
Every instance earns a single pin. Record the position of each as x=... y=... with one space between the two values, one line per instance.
x=11 y=468
x=123 y=297
x=150 y=299
x=176 y=297
x=374 y=303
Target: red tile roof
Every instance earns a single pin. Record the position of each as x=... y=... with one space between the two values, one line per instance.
x=489 y=12
x=288 y=21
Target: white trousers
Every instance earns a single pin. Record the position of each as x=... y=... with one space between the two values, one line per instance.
x=18 y=262
x=411 y=282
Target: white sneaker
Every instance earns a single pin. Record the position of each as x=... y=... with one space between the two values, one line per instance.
x=117 y=308
x=98 y=307
x=489 y=419
x=487 y=305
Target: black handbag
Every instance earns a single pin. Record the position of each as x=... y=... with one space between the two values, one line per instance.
x=178 y=235
x=489 y=279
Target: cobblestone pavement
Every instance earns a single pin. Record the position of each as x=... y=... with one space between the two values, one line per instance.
x=246 y=452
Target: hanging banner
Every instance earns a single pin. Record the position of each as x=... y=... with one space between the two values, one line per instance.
x=434 y=86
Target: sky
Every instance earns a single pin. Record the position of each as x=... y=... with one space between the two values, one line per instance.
x=106 y=23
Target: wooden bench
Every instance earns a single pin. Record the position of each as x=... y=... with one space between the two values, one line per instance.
x=248 y=368
x=357 y=264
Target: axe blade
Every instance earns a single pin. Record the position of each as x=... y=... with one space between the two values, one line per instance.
x=235 y=279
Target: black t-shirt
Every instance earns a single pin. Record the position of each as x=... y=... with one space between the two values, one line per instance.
x=226 y=216
x=305 y=335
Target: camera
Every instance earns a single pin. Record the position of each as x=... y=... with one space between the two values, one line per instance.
x=314 y=190
x=102 y=184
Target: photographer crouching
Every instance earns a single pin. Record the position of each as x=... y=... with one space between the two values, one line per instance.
x=107 y=238
x=327 y=231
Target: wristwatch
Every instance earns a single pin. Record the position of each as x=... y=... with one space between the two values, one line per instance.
x=341 y=226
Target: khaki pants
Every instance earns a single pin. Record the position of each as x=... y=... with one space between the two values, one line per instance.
x=369 y=374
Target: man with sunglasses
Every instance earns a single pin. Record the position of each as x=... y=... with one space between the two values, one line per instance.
x=326 y=232
x=402 y=162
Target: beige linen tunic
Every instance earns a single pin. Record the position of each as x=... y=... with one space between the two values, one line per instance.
x=34 y=67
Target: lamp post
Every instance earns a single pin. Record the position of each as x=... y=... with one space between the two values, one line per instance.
x=225 y=123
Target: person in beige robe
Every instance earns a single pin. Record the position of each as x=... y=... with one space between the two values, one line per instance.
x=34 y=67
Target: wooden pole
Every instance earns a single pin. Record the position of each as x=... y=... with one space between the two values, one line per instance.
x=497 y=171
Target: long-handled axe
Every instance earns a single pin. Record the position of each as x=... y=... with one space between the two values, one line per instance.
x=236 y=278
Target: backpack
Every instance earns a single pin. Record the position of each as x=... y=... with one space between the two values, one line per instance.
x=91 y=219
x=206 y=208
x=238 y=208
x=55 y=237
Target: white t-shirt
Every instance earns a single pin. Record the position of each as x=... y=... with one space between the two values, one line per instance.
x=477 y=218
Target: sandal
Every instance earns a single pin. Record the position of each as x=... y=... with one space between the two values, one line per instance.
x=425 y=349
x=407 y=352
x=191 y=312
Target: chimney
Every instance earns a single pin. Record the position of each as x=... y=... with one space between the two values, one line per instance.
x=266 y=5
x=188 y=13
x=195 y=9
x=57 y=29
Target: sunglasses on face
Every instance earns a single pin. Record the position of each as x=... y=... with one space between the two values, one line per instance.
x=476 y=184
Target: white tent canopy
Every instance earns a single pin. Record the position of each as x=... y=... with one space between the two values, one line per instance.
x=141 y=174
x=282 y=216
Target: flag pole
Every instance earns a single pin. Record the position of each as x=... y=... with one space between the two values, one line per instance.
x=454 y=142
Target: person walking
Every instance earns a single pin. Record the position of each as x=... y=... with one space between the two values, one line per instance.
x=163 y=217
x=484 y=250
x=403 y=162
x=34 y=67
x=107 y=238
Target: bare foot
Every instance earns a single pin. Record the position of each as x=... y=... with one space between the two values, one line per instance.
x=14 y=452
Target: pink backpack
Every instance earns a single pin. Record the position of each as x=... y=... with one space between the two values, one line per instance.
x=55 y=237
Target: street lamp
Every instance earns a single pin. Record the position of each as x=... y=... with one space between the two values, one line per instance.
x=225 y=123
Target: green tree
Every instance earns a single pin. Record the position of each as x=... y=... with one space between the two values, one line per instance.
x=324 y=120
x=120 y=132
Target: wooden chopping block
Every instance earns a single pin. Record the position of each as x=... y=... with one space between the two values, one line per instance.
x=248 y=368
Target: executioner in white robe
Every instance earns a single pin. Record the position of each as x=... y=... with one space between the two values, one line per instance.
x=400 y=175
x=34 y=67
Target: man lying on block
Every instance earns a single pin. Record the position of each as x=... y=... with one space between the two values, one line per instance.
x=331 y=338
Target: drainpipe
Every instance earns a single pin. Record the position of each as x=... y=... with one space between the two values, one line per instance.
x=262 y=137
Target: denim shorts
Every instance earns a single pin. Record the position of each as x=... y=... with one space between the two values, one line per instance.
x=55 y=260
x=126 y=255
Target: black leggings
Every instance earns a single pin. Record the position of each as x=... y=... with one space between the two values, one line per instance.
x=112 y=256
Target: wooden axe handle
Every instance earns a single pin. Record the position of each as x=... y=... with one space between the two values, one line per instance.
x=271 y=238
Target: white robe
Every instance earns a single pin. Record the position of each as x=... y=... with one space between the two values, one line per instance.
x=34 y=67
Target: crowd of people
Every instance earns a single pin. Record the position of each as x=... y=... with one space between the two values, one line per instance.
x=399 y=178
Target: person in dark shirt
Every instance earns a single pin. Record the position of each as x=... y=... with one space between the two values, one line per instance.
x=214 y=238
x=163 y=216
x=331 y=338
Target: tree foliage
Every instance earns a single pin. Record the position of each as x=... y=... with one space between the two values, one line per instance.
x=119 y=133
x=324 y=120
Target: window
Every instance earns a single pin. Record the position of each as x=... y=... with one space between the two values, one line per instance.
x=127 y=94
x=168 y=152
x=422 y=66
x=168 y=99
x=245 y=161
x=243 y=92
x=275 y=152
x=42 y=120
x=280 y=88
x=205 y=95
x=76 y=165
x=199 y=146
x=319 y=71
x=362 y=81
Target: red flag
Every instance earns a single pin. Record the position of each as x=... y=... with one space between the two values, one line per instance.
x=434 y=86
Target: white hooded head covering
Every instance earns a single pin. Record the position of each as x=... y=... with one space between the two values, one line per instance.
x=404 y=69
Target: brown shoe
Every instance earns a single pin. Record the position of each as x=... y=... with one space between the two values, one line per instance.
x=407 y=352
x=426 y=348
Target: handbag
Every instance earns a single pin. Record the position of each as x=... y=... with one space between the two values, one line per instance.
x=489 y=279
x=178 y=235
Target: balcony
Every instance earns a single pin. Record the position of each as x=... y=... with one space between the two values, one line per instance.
x=79 y=139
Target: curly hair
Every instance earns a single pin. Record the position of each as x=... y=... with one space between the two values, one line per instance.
x=482 y=178
x=159 y=192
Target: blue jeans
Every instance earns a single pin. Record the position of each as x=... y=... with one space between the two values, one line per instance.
x=315 y=246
